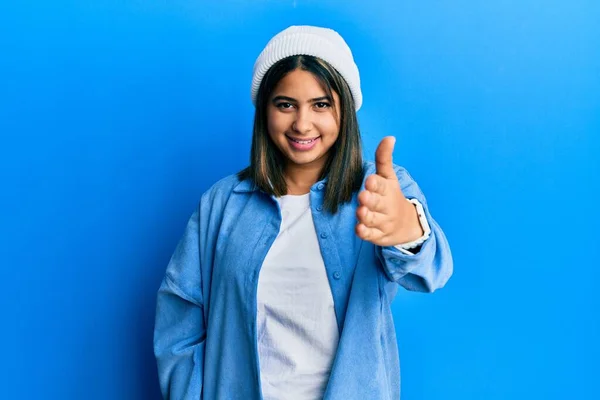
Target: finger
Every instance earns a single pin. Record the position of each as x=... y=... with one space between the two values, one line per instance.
x=371 y=219
x=377 y=184
x=373 y=201
x=366 y=233
x=383 y=158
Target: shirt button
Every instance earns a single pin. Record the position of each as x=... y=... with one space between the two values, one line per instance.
x=319 y=208
x=320 y=186
x=337 y=275
x=324 y=235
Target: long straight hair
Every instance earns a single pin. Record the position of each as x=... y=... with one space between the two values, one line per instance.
x=344 y=165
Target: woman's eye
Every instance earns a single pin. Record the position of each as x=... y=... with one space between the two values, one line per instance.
x=322 y=104
x=284 y=106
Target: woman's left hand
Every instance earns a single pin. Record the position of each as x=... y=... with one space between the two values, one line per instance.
x=385 y=216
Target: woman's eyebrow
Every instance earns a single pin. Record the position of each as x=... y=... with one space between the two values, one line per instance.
x=292 y=100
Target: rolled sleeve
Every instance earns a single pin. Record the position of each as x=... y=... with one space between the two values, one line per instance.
x=427 y=267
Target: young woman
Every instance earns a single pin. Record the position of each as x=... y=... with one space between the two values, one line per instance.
x=281 y=285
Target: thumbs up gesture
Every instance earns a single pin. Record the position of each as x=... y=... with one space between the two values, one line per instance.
x=385 y=216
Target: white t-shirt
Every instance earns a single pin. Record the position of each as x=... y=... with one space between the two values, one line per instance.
x=297 y=329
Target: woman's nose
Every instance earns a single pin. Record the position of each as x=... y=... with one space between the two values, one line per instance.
x=303 y=123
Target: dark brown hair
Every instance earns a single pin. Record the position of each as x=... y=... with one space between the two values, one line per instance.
x=343 y=168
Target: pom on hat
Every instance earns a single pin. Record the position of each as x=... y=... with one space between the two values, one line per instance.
x=323 y=43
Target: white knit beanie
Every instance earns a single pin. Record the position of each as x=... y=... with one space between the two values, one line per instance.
x=323 y=43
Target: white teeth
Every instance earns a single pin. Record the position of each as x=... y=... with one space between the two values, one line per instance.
x=303 y=141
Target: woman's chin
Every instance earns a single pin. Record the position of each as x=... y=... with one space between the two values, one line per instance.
x=305 y=159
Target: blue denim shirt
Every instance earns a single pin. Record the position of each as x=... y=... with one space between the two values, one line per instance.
x=205 y=337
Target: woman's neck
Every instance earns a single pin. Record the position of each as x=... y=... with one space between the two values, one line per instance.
x=299 y=179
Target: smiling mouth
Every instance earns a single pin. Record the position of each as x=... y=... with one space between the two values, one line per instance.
x=307 y=141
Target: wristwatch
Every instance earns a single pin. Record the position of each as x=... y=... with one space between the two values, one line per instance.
x=424 y=225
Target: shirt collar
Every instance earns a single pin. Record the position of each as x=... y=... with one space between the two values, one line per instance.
x=247 y=185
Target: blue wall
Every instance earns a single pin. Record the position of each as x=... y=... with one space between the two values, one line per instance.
x=116 y=115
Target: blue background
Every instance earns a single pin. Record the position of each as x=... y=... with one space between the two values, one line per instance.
x=116 y=115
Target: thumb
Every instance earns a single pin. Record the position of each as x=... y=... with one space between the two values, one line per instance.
x=383 y=158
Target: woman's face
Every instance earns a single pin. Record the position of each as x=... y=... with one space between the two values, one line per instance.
x=301 y=120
